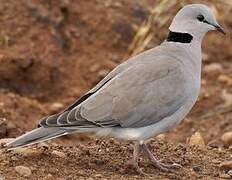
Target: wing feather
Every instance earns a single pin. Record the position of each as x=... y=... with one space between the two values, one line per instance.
x=139 y=95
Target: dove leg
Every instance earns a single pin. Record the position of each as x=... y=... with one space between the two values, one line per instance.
x=157 y=163
x=137 y=150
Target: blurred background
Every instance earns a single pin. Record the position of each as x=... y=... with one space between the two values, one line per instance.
x=53 y=51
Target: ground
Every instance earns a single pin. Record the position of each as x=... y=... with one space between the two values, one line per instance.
x=52 y=52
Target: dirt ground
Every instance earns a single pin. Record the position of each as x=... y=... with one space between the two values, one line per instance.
x=52 y=52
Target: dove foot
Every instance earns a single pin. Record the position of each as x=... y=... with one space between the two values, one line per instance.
x=137 y=150
x=157 y=163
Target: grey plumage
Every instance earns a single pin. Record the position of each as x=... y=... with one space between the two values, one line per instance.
x=142 y=97
x=38 y=135
x=138 y=93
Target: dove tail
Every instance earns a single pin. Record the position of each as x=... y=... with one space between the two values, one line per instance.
x=37 y=135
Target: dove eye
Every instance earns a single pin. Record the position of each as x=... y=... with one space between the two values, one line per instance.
x=200 y=18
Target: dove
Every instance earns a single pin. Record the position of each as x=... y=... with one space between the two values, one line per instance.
x=144 y=96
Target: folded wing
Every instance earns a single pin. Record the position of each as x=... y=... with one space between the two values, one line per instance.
x=137 y=96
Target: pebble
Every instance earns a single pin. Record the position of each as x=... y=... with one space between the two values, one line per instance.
x=14 y=158
x=230 y=173
x=5 y=140
x=103 y=73
x=94 y=67
x=205 y=57
x=225 y=79
x=227 y=97
x=193 y=173
x=26 y=151
x=197 y=139
x=213 y=67
x=54 y=107
x=23 y=171
x=161 y=137
x=58 y=154
x=48 y=177
x=226 y=165
x=98 y=175
x=89 y=178
x=227 y=138
x=224 y=176
x=197 y=169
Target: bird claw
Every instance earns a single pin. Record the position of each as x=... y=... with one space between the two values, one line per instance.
x=155 y=162
x=141 y=172
x=166 y=167
x=136 y=167
x=176 y=165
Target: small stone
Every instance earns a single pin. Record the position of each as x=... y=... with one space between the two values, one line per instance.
x=230 y=173
x=227 y=138
x=161 y=137
x=103 y=72
x=213 y=68
x=61 y=178
x=225 y=79
x=118 y=4
x=226 y=165
x=193 y=173
x=23 y=171
x=5 y=141
x=98 y=175
x=197 y=139
x=10 y=125
x=94 y=67
x=14 y=158
x=26 y=151
x=227 y=97
x=214 y=144
x=48 y=177
x=111 y=140
x=89 y=178
x=224 y=176
x=54 y=107
x=205 y=57
x=197 y=169
x=58 y=154
x=43 y=145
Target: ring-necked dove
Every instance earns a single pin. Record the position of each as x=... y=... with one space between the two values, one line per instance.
x=142 y=97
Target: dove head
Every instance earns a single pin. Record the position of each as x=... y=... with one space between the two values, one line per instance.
x=196 y=20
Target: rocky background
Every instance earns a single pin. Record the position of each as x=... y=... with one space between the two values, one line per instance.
x=53 y=51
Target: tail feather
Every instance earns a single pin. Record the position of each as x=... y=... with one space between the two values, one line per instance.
x=37 y=135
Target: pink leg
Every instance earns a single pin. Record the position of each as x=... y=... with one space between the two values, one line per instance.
x=137 y=150
x=157 y=163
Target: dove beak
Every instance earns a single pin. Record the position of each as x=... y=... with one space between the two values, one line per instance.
x=216 y=26
x=219 y=28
